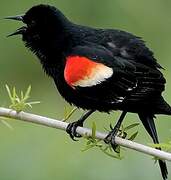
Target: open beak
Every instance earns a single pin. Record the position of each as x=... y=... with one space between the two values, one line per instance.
x=20 y=30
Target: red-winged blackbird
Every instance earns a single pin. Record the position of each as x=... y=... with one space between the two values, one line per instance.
x=97 y=69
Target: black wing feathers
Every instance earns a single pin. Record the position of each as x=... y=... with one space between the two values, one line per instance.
x=128 y=46
x=132 y=82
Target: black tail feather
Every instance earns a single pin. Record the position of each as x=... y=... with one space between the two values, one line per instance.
x=148 y=122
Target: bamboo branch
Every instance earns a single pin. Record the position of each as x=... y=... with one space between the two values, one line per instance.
x=28 y=117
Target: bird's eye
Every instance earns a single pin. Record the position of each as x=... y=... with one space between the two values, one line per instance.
x=32 y=23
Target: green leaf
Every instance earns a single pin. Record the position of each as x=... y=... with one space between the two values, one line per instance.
x=94 y=131
x=27 y=94
x=14 y=93
x=133 y=136
x=90 y=144
x=34 y=102
x=118 y=149
x=9 y=92
x=22 y=95
x=65 y=113
x=130 y=126
x=117 y=156
x=68 y=115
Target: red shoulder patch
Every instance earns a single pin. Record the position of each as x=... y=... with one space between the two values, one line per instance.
x=82 y=71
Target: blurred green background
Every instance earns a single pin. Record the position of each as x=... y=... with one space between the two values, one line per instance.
x=32 y=152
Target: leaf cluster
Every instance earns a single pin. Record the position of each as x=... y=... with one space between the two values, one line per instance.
x=19 y=101
x=107 y=148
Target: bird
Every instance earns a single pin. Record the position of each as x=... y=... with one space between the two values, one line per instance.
x=97 y=69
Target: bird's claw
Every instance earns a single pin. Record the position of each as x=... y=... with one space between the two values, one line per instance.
x=111 y=127
x=71 y=130
x=110 y=139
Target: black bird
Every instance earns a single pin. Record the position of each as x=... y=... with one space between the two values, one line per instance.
x=97 y=69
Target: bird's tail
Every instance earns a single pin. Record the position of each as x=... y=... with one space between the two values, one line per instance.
x=148 y=122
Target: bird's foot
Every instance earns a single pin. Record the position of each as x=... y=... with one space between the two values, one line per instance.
x=71 y=129
x=110 y=139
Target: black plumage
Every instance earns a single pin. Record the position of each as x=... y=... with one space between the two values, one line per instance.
x=136 y=83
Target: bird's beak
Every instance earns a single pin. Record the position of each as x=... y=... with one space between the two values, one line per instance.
x=17 y=18
x=20 y=30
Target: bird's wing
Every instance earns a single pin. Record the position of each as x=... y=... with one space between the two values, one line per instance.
x=128 y=46
x=95 y=71
x=88 y=66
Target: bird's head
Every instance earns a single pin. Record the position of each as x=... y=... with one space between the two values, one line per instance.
x=42 y=23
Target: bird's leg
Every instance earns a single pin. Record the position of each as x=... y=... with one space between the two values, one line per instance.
x=110 y=138
x=71 y=128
